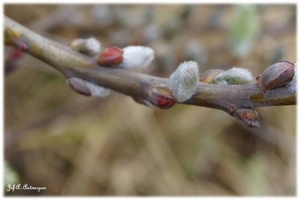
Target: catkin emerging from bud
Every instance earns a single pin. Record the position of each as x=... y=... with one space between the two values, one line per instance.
x=91 y=46
x=87 y=88
x=234 y=76
x=96 y=90
x=137 y=56
x=183 y=82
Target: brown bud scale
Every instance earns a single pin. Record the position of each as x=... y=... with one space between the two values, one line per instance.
x=247 y=116
x=276 y=76
x=209 y=75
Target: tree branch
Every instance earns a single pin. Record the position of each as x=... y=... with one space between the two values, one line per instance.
x=228 y=98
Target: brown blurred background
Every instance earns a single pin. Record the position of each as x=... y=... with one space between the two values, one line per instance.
x=74 y=145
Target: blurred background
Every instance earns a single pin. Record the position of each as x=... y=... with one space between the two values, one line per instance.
x=77 y=145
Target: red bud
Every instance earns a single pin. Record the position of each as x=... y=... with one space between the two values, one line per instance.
x=20 y=45
x=111 y=56
x=161 y=97
x=165 y=102
x=16 y=54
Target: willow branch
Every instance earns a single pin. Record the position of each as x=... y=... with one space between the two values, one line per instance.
x=228 y=98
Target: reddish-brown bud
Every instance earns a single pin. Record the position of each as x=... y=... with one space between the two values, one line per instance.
x=16 y=54
x=165 y=102
x=79 y=86
x=275 y=76
x=247 y=116
x=20 y=45
x=161 y=97
x=111 y=56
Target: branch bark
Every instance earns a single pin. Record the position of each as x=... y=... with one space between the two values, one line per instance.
x=228 y=98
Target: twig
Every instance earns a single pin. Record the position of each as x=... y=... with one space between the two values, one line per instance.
x=228 y=98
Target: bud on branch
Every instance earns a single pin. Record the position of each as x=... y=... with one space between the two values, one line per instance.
x=91 y=46
x=111 y=56
x=247 y=116
x=87 y=88
x=183 y=82
x=234 y=76
x=275 y=76
x=137 y=56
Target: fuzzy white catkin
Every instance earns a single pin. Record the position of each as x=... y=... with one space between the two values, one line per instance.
x=292 y=86
x=137 y=56
x=97 y=90
x=183 y=82
x=234 y=76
